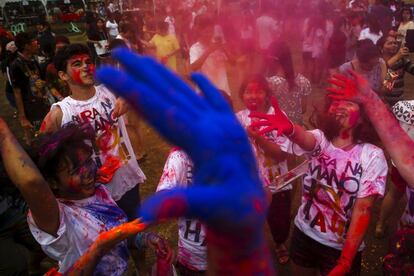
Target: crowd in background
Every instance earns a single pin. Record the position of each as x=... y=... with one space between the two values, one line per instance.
x=251 y=51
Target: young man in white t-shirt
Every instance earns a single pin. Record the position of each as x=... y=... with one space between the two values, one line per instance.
x=209 y=56
x=97 y=106
x=192 y=246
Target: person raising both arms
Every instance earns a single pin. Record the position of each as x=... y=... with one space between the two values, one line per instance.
x=346 y=174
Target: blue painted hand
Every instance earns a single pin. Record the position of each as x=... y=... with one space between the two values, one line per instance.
x=227 y=194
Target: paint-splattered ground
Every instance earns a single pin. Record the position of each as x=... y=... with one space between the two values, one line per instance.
x=156 y=150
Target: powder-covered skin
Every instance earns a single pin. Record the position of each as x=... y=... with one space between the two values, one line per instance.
x=397 y=143
x=207 y=129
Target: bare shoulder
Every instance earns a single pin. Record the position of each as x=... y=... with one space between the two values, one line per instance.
x=53 y=120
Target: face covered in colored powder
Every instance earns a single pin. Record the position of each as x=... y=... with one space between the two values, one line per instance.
x=81 y=70
x=346 y=113
x=254 y=97
x=77 y=181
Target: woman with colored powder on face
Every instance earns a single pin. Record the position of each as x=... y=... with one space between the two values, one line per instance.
x=67 y=215
x=345 y=176
x=255 y=94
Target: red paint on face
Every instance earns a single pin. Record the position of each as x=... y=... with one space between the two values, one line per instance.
x=76 y=76
x=81 y=68
x=346 y=113
x=254 y=97
x=354 y=117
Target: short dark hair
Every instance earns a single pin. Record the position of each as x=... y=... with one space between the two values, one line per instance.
x=64 y=54
x=366 y=50
x=162 y=26
x=22 y=39
x=259 y=79
x=51 y=149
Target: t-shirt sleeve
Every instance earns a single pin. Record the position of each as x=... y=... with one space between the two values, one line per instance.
x=375 y=170
x=321 y=143
x=52 y=245
x=173 y=174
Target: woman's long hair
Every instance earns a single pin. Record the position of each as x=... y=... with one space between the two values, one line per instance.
x=279 y=52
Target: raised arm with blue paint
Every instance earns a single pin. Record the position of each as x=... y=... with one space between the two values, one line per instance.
x=206 y=128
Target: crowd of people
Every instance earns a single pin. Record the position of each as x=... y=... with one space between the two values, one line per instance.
x=311 y=168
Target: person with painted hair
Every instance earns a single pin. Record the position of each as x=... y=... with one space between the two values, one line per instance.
x=69 y=205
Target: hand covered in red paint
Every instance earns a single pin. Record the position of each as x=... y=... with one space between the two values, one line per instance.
x=278 y=121
x=353 y=88
x=107 y=240
x=121 y=107
x=107 y=171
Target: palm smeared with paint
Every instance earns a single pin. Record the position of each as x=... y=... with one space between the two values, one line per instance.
x=278 y=121
x=227 y=194
x=351 y=88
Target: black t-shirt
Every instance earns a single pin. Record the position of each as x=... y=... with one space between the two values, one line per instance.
x=24 y=74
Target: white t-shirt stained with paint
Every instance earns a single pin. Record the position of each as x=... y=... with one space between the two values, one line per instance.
x=81 y=222
x=214 y=66
x=335 y=180
x=268 y=168
x=192 y=247
x=111 y=137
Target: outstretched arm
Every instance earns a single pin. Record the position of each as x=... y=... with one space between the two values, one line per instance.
x=284 y=126
x=86 y=264
x=27 y=178
x=397 y=143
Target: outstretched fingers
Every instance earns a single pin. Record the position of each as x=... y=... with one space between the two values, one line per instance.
x=259 y=124
x=259 y=115
x=336 y=82
x=267 y=130
x=159 y=79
